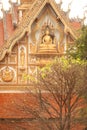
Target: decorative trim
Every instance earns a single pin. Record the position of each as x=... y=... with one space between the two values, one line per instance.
x=27 y=21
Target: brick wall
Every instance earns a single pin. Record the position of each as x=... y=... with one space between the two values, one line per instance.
x=12 y=117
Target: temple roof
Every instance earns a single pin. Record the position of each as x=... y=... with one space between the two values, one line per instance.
x=76 y=25
x=33 y=8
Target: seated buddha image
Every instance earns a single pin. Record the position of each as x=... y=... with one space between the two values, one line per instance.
x=48 y=41
x=7 y=75
x=47 y=38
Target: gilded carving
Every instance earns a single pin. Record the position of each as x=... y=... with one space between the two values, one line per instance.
x=27 y=21
x=7 y=74
x=22 y=57
x=33 y=32
x=12 y=59
x=47 y=39
x=39 y=38
x=32 y=73
x=32 y=59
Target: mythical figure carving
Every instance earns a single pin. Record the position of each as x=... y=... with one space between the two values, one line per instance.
x=7 y=74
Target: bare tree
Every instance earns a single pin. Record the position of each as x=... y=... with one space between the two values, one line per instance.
x=55 y=102
x=63 y=83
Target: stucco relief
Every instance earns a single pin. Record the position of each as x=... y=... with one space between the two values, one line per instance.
x=22 y=57
x=7 y=74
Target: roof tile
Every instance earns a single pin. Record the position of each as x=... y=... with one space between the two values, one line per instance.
x=9 y=25
x=76 y=25
x=1 y=33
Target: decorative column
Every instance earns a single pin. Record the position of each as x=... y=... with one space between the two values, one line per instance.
x=20 y=15
x=14 y=11
x=66 y=38
x=65 y=45
x=19 y=2
x=1 y=26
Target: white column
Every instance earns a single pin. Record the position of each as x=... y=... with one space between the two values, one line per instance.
x=18 y=1
x=20 y=15
x=5 y=25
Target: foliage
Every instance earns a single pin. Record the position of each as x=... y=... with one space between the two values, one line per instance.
x=83 y=111
x=64 y=82
x=57 y=94
x=79 y=50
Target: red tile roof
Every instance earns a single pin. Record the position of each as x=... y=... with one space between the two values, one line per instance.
x=9 y=25
x=76 y=25
x=16 y=13
x=1 y=33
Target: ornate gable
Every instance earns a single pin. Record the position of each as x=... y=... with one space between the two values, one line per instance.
x=44 y=32
x=30 y=15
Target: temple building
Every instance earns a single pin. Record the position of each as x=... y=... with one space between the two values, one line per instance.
x=32 y=33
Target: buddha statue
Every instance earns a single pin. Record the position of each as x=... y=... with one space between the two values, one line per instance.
x=7 y=75
x=22 y=56
x=48 y=43
x=47 y=39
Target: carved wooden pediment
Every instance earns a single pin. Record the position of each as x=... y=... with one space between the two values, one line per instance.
x=40 y=37
x=30 y=16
